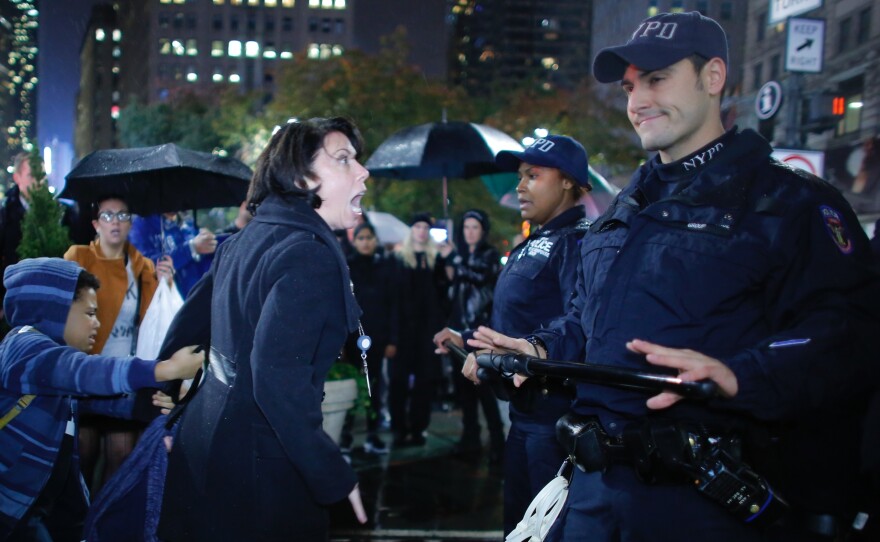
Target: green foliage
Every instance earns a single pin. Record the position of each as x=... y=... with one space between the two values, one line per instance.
x=41 y=231
x=186 y=120
x=342 y=370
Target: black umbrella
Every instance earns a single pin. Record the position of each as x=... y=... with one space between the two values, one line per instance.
x=440 y=150
x=159 y=179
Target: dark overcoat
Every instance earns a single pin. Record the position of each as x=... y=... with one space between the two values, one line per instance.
x=252 y=461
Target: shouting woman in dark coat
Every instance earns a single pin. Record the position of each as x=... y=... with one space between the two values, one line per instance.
x=251 y=461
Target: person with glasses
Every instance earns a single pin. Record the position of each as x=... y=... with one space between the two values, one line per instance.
x=128 y=281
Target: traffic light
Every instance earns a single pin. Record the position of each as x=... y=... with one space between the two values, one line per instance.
x=822 y=111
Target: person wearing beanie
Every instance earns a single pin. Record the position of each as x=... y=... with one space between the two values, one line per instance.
x=716 y=262
x=475 y=265
x=47 y=378
x=534 y=288
x=414 y=374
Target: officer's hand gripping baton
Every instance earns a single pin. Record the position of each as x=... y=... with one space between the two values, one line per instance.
x=484 y=374
x=605 y=375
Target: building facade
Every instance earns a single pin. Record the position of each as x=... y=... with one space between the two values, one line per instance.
x=845 y=130
x=157 y=48
x=18 y=76
x=499 y=43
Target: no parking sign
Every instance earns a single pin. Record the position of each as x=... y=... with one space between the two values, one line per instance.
x=812 y=161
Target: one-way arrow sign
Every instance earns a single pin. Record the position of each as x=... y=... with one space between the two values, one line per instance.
x=805 y=45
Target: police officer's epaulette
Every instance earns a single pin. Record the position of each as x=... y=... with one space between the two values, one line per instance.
x=578 y=228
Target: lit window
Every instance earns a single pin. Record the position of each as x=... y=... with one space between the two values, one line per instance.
x=179 y=1
x=314 y=50
x=337 y=50
x=234 y=49
x=253 y=2
x=117 y=52
x=339 y=4
x=100 y=35
x=326 y=4
x=117 y=35
x=114 y=112
x=269 y=52
x=192 y=76
x=219 y=2
x=652 y=8
x=251 y=49
x=218 y=76
x=192 y=48
x=314 y=3
x=288 y=3
x=234 y=78
x=270 y=3
x=236 y=2
x=115 y=69
x=286 y=52
x=677 y=6
x=164 y=1
x=217 y=48
x=164 y=46
x=178 y=48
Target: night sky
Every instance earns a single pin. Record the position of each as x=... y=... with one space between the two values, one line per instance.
x=62 y=24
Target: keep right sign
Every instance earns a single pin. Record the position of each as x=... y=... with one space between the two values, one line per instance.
x=805 y=45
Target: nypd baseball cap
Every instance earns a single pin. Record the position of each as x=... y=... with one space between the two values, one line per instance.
x=556 y=151
x=660 y=41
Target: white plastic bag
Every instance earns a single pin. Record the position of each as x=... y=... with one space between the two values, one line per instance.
x=165 y=304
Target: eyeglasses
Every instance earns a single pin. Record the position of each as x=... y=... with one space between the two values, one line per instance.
x=107 y=216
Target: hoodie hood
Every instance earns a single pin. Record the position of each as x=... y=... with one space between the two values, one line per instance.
x=39 y=293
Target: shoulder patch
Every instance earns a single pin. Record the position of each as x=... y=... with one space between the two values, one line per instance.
x=836 y=228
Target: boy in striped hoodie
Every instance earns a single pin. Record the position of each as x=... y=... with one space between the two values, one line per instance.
x=47 y=378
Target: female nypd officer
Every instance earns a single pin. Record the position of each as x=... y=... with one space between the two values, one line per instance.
x=533 y=289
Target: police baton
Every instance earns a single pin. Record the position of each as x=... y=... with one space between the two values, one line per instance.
x=605 y=375
x=493 y=378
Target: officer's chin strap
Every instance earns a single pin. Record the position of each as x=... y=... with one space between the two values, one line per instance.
x=544 y=509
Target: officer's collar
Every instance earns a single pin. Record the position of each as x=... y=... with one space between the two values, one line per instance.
x=563 y=219
x=694 y=163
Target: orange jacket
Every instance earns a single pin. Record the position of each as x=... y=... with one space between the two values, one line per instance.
x=114 y=283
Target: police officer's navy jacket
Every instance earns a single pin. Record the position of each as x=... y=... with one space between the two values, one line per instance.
x=535 y=287
x=733 y=254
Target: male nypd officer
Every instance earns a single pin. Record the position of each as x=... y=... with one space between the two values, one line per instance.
x=715 y=262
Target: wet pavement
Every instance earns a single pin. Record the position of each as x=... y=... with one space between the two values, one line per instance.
x=424 y=492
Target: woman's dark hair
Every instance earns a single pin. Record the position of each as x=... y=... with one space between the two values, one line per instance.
x=96 y=206
x=84 y=281
x=287 y=161
x=481 y=217
x=363 y=226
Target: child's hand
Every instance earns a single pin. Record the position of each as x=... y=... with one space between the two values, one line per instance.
x=183 y=364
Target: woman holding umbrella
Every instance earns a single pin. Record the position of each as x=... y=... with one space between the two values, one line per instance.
x=251 y=460
x=532 y=290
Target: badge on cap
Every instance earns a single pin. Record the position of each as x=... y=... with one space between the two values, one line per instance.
x=836 y=229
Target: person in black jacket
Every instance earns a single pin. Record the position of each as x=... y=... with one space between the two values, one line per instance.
x=415 y=372
x=376 y=292
x=475 y=266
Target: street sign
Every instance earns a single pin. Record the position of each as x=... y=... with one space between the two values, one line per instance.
x=811 y=161
x=805 y=45
x=768 y=100
x=781 y=10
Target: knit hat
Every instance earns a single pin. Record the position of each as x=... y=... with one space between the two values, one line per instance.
x=661 y=41
x=39 y=293
x=479 y=216
x=422 y=217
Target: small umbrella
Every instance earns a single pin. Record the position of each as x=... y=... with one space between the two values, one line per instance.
x=159 y=179
x=440 y=150
x=389 y=228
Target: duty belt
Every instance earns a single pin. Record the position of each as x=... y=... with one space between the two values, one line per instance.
x=221 y=367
